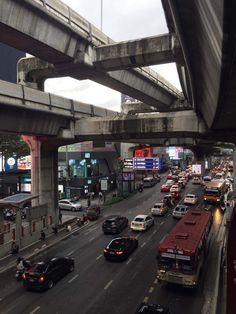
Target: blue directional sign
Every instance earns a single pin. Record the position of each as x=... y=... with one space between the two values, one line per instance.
x=146 y=163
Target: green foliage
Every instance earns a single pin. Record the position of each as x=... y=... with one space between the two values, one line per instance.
x=13 y=145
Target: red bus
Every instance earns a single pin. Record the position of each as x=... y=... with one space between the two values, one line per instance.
x=182 y=252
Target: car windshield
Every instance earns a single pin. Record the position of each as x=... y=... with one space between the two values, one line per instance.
x=139 y=219
x=117 y=244
x=157 y=206
x=39 y=268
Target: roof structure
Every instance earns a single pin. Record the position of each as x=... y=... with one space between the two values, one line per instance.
x=187 y=233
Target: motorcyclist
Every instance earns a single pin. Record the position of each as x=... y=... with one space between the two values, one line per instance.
x=20 y=264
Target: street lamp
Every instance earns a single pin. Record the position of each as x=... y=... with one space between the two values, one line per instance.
x=101 y=14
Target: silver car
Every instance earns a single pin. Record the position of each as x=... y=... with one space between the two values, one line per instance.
x=67 y=204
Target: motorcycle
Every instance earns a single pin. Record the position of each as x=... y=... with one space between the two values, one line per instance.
x=20 y=272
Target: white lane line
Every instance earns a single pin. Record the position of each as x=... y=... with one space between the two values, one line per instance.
x=108 y=285
x=98 y=257
x=70 y=253
x=129 y=260
x=35 y=310
x=162 y=223
x=91 y=239
x=73 y=278
x=142 y=245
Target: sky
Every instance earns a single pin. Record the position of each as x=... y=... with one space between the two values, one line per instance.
x=121 y=20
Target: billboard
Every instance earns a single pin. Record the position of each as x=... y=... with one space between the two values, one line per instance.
x=144 y=152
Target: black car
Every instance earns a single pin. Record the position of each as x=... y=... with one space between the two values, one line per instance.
x=151 y=308
x=115 y=224
x=120 y=248
x=43 y=275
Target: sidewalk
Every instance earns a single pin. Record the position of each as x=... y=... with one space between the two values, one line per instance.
x=29 y=252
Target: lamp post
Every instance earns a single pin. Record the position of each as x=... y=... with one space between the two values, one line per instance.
x=101 y=15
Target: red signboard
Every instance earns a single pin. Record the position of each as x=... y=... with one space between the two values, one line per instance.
x=145 y=152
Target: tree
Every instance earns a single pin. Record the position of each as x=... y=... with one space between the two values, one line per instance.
x=13 y=145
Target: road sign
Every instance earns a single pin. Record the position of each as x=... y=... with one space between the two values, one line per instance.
x=146 y=163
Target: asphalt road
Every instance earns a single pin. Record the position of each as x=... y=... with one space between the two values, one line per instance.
x=102 y=287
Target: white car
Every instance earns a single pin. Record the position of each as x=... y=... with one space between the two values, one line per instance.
x=196 y=180
x=141 y=223
x=179 y=211
x=174 y=188
x=190 y=199
x=159 y=209
x=67 y=204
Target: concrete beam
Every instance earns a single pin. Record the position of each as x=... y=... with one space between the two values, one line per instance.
x=130 y=127
x=28 y=111
x=58 y=35
x=136 y=53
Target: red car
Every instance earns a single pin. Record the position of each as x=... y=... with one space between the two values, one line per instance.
x=176 y=195
x=165 y=188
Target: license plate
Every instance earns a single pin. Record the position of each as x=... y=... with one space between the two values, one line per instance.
x=112 y=253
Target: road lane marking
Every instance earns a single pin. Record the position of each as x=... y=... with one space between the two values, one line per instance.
x=142 y=245
x=35 y=310
x=108 y=285
x=70 y=253
x=129 y=260
x=151 y=290
x=91 y=239
x=73 y=278
x=98 y=257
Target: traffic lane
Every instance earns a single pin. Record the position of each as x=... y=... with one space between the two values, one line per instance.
x=127 y=290
x=180 y=299
x=87 y=258
x=97 y=277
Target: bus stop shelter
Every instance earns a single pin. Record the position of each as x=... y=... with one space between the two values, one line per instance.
x=17 y=202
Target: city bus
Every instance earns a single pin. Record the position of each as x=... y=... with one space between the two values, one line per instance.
x=214 y=191
x=182 y=252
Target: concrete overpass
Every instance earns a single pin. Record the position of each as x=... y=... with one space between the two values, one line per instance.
x=58 y=35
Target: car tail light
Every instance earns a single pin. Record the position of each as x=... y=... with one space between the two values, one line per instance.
x=24 y=276
x=41 y=279
x=119 y=252
x=105 y=251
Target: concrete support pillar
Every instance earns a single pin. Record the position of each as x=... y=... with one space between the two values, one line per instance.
x=44 y=175
x=34 y=145
x=49 y=180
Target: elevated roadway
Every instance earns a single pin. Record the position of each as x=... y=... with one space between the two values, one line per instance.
x=58 y=35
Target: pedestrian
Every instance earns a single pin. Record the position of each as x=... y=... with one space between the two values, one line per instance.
x=60 y=217
x=42 y=235
x=88 y=202
x=14 y=248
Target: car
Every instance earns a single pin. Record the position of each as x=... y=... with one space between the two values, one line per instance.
x=141 y=223
x=190 y=199
x=174 y=188
x=169 y=176
x=67 y=204
x=179 y=211
x=196 y=180
x=170 y=182
x=176 y=195
x=120 y=248
x=93 y=212
x=165 y=188
x=159 y=209
x=151 y=308
x=168 y=200
x=43 y=275
x=115 y=224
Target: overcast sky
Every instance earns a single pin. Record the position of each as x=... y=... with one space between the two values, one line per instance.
x=122 y=20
